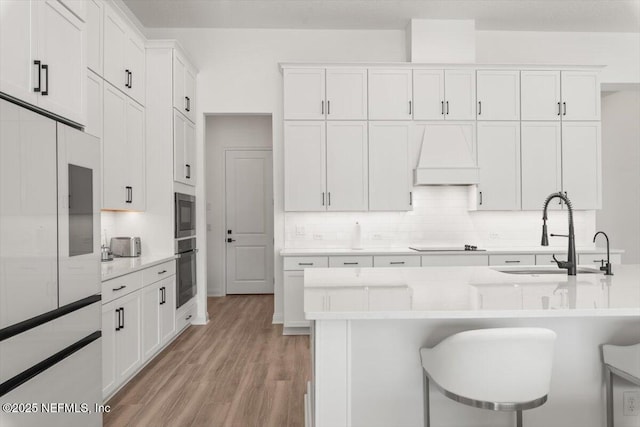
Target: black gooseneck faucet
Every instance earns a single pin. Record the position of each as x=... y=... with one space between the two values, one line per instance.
x=607 y=267
x=571 y=263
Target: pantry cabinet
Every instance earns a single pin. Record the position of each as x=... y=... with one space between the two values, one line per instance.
x=389 y=170
x=184 y=150
x=390 y=94
x=498 y=93
x=499 y=163
x=581 y=160
x=184 y=86
x=42 y=56
x=122 y=152
x=541 y=152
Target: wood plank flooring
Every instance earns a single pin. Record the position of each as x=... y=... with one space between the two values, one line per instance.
x=237 y=371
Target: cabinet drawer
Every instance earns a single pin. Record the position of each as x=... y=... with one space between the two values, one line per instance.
x=158 y=272
x=184 y=316
x=350 y=261
x=302 y=262
x=396 y=261
x=120 y=286
x=454 y=260
x=515 y=259
x=595 y=259
x=547 y=259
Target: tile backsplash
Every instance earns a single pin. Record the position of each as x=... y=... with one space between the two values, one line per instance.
x=441 y=217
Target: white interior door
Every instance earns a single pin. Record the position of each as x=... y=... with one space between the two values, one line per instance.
x=249 y=219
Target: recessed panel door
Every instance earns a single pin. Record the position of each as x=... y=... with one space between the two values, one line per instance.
x=581 y=178
x=541 y=151
x=249 y=219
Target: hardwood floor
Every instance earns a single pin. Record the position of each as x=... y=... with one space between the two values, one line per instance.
x=237 y=371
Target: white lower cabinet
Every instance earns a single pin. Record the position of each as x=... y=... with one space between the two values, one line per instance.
x=514 y=259
x=294 y=300
x=158 y=314
x=598 y=259
x=454 y=260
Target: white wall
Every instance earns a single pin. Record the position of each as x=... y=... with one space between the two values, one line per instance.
x=620 y=214
x=223 y=133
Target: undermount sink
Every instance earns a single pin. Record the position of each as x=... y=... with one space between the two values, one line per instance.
x=545 y=270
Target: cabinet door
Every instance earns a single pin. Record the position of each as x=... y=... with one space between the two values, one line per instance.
x=304 y=166
x=18 y=75
x=109 y=326
x=498 y=95
x=61 y=47
x=304 y=94
x=190 y=93
x=347 y=166
x=389 y=173
x=94 y=105
x=94 y=48
x=115 y=161
x=460 y=93
x=580 y=95
x=128 y=338
x=390 y=94
x=168 y=310
x=294 y=300
x=179 y=148
x=179 y=95
x=499 y=162
x=581 y=178
x=135 y=155
x=540 y=95
x=541 y=163
x=115 y=43
x=428 y=95
x=190 y=152
x=347 y=94
x=135 y=62
x=151 y=300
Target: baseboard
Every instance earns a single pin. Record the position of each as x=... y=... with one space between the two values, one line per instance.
x=278 y=319
x=301 y=330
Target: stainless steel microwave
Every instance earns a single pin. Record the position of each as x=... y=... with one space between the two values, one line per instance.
x=185 y=215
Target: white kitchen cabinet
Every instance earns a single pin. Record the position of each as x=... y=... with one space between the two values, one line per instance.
x=499 y=163
x=294 y=300
x=168 y=311
x=95 y=21
x=347 y=166
x=460 y=93
x=304 y=166
x=581 y=160
x=396 y=261
x=390 y=94
x=301 y=262
x=351 y=261
x=158 y=315
x=42 y=56
x=184 y=150
x=346 y=94
x=498 y=93
x=304 y=94
x=428 y=95
x=389 y=169
x=540 y=95
x=461 y=260
x=580 y=95
x=184 y=84
x=123 y=152
x=94 y=105
x=541 y=166
x=121 y=350
x=595 y=259
x=512 y=259
x=124 y=56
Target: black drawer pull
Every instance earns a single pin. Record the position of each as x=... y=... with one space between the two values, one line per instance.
x=305 y=263
x=351 y=263
x=188 y=317
x=162 y=272
x=396 y=262
x=119 y=288
x=509 y=261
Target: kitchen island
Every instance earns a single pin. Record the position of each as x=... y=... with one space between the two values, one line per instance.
x=368 y=325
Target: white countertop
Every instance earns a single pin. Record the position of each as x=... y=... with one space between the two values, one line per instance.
x=407 y=251
x=121 y=266
x=467 y=292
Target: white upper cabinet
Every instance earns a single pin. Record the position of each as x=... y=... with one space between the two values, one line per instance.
x=580 y=95
x=390 y=94
x=460 y=92
x=389 y=170
x=184 y=85
x=428 y=95
x=77 y=7
x=581 y=159
x=184 y=150
x=498 y=93
x=124 y=56
x=42 y=56
x=499 y=162
x=347 y=166
x=94 y=104
x=95 y=20
x=304 y=94
x=540 y=95
x=541 y=151
x=346 y=94
x=304 y=166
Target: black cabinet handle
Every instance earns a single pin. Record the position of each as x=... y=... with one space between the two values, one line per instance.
x=122 y=311
x=305 y=263
x=410 y=110
x=119 y=288
x=410 y=198
x=564 y=106
x=322 y=107
x=442 y=107
x=510 y=261
x=129 y=194
x=350 y=263
x=559 y=108
x=188 y=317
x=130 y=79
x=230 y=240
x=481 y=197
x=396 y=262
x=162 y=301
x=479 y=108
x=45 y=67
x=118 y=319
x=38 y=64
x=162 y=272
x=188 y=107
x=447 y=108
x=329 y=198
x=126 y=78
x=188 y=174
x=323 y=198
x=328 y=107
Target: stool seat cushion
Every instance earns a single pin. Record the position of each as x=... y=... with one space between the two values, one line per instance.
x=501 y=365
x=623 y=358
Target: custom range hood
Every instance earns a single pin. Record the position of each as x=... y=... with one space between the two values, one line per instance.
x=448 y=155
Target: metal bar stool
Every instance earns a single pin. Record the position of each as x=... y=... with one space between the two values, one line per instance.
x=502 y=369
x=623 y=361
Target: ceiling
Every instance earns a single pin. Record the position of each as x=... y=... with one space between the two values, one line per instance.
x=522 y=15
